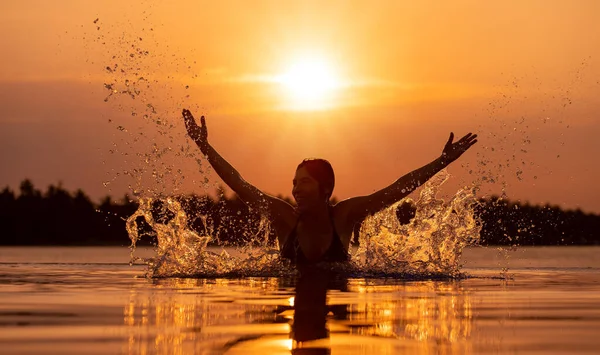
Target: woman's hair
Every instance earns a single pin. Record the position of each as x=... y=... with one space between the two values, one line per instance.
x=320 y=170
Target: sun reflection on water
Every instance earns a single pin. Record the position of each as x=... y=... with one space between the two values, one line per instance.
x=183 y=316
x=422 y=311
x=201 y=316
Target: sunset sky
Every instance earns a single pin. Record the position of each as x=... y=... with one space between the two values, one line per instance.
x=91 y=93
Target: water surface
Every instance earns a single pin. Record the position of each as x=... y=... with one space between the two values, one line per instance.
x=90 y=300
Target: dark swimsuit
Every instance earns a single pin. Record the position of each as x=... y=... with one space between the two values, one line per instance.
x=291 y=249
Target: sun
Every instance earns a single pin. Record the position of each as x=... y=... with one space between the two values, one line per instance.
x=310 y=84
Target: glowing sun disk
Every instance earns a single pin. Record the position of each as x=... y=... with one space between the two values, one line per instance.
x=309 y=83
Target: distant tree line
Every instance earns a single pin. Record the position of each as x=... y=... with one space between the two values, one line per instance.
x=513 y=223
x=60 y=217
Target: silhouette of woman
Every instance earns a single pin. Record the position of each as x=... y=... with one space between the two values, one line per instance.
x=316 y=231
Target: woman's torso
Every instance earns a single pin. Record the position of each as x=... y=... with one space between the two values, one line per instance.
x=311 y=242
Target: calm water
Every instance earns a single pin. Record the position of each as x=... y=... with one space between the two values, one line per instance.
x=90 y=300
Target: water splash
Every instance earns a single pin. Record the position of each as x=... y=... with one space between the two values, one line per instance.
x=430 y=245
x=182 y=252
x=145 y=84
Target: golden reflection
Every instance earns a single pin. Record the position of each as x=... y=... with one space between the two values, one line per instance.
x=186 y=316
x=204 y=316
x=425 y=311
x=288 y=344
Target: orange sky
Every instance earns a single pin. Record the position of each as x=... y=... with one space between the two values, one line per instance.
x=523 y=75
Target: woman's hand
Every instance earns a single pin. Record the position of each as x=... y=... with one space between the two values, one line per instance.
x=198 y=133
x=453 y=151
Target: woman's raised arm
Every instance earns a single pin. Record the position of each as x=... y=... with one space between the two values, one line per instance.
x=356 y=208
x=246 y=191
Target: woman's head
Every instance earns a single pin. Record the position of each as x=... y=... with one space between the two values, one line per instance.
x=314 y=181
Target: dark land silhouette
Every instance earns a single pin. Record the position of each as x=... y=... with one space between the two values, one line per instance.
x=60 y=217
